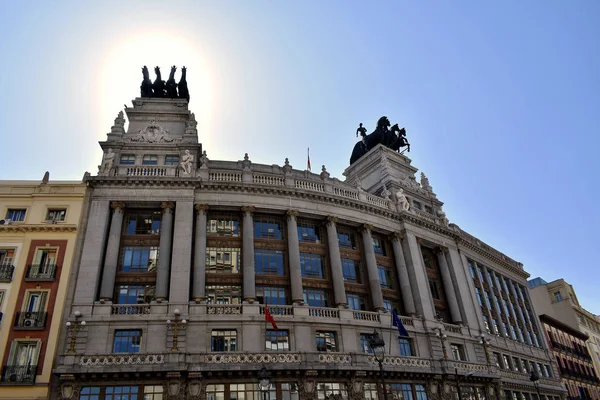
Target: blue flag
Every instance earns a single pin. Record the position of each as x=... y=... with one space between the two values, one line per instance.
x=397 y=322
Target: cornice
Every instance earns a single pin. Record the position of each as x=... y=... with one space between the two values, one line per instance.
x=482 y=252
x=38 y=228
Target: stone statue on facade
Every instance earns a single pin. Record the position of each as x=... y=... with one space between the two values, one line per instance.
x=403 y=203
x=171 y=84
x=393 y=138
x=385 y=193
x=107 y=161
x=159 y=85
x=182 y=85
x=204 y=160
x=361 y=130
x=425 y=183
x=185 y=165
x=442 y=215
x=146 y=87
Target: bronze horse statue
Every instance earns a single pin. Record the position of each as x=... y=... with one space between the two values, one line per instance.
x=171 y=84
x=159 y=84
x=146 y=87
x=182 y=85
x=392 y=138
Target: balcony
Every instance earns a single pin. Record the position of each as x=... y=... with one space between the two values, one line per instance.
x=19 y=374
x=43 y=273
x=130 y=309
x=26 y=320
x=6 y=273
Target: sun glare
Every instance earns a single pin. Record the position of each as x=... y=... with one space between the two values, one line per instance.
x=121 y=73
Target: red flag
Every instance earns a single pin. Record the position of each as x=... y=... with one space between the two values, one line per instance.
x=308 y=160
x=269 y=317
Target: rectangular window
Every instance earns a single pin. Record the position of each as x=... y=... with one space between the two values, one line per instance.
x=267 y=228
x=386 y=279
x=405 y=347
x=507 y=363
x=487 y=300
x=548 y=371
x=127 y=341
x=89 y=393
x=172 y=161
x=134 y=294
x=515 y=362
x=142 y=223
x=309 y=232
x=486 y=324
x=223 y=260
x=153 y=392
x=56 y=215
x=379 y=245
x=346 y=239
x=277 y=340
x=422 y=394
x=139 y=258
x=35 y=301
x=127 y=159
x=557 y=296
x=6 y=257
x=365 y=347
x=435 y=293
x=271 y=295
x=480 y=272
x=478 y=294
x=22 y=362
x=513 y=332
x=16 y=214
x=471 y=269
x=216 y=294
x=311 y=265
x=326 y=341
x=498 y=360
x=121 y=393
x=223 y=225
x=328 y=389
x=390 y=305
x=356 y=302
x=268 y=262
x=491 y=279
x=224 y=340
x=315 y=298
x=495 y=326
x=150 y=160
x=350 y=270
x=458 y=352
x=403 y=391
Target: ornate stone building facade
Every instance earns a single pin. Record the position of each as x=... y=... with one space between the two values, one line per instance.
x=181 y=253
x=38 y=229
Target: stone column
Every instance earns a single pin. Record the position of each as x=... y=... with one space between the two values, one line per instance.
x=181 y=261
x=294 y=257
x=418 y=277
x=89 y=276
x=449 y=287
x=199 y=282
x=337 y=275
x=164 y=252
x=248 y=254
x=111 y=258
x=491 y=284
x=374 y=284
x=464 y=289
x=405 y=290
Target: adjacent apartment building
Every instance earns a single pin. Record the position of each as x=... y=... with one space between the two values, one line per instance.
x=557 y=300
x=181 y=255
x=38 y=229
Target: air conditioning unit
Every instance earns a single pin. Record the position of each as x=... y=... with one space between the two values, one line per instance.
x=5 y=221
x=29 y=322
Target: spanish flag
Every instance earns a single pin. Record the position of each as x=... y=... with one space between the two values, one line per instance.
x=308 y=161
x=269 y=317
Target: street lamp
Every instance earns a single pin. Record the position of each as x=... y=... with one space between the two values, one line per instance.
x=468 y=374
x=485 y=342
x=176 y=324
x=264 y=381
x=535 y=378
x=442 y=336
x=73 y=327
x=377 y=345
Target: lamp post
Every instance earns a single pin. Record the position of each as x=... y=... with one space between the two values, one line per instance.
x=176 y=324
x=442 y=336
x=535 y=378
x=377 y=345
x=264 y=381
x=73 y=327
x=468 y=374
x=485 y=342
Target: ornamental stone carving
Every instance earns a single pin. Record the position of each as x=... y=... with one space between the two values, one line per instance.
x=355 y=388
x=186 y=164
x=442 y=215
x=122 y=360
x=403 y=203
x=196 y=390
x=306 y=389
x=425 y=183
x=152 y=133
x=107 y=161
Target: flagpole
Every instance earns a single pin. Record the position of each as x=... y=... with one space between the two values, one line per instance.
x=391 y=328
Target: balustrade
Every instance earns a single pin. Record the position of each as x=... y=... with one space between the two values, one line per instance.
x=150 y=171
x=128 y=309
x=223 y=309
x=6 y=273
x=225 y=176
x=278 y=310
x=19 y=373
x=308 y=185
x=323 y=312
x=366 y=316
x=268 y=180
x=41 y=272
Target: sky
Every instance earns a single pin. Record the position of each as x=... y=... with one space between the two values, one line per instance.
x=500 y=99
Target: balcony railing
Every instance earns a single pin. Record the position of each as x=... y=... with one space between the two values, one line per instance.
x=6 y=273
x=366 y=316
x=223 y=309
x=30 y=320
x=40 y=272
x=23 y=374
x=275 y=309
x=130 y=309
